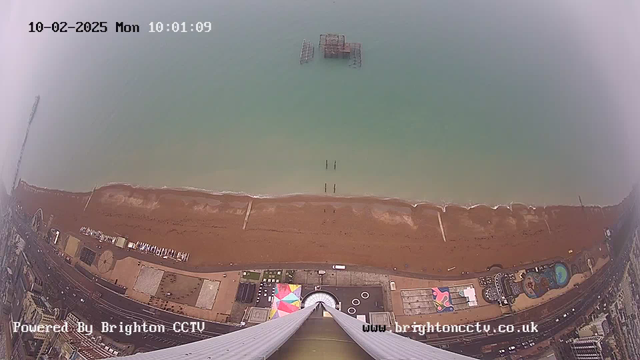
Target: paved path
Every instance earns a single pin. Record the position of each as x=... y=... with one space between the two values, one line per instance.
x=114 y=308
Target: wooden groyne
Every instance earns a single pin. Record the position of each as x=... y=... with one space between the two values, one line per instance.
x=307 y=52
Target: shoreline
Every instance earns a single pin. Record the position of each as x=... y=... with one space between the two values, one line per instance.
x=232 y=229
x=414 y=203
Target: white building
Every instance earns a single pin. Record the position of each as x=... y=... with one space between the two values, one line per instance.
x=587 y=348
x=599 y=326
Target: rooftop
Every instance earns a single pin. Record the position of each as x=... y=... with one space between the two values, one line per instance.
x=41 y=304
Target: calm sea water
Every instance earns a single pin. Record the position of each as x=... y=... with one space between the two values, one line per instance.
x=463 y=103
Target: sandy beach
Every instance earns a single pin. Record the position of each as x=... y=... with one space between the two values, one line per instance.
x=322 y=229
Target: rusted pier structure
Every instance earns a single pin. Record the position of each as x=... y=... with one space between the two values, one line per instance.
x=307 y=52
x=335 y=46
x=355 y=60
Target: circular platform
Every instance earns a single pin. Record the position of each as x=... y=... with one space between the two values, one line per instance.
x=320 y=296
x=105 y=262
x=490 y=294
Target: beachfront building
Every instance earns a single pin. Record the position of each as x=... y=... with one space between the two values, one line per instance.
x=587 y=348
x=36 y=312
x=598 y=327
x=315 y=332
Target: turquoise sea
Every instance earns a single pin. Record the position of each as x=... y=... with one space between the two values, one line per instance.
x=461 y=102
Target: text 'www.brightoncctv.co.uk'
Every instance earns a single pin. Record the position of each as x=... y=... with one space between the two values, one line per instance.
x=432 y=328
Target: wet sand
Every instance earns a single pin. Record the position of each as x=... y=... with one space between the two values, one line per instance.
x=323 y=229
